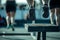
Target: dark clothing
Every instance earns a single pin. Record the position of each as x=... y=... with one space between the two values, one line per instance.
x=32 y=13
x=54 y=4
x=10 y=6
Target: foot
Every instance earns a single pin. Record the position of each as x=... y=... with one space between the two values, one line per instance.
x=12 y=26
x=8 y=27
x=13 y=29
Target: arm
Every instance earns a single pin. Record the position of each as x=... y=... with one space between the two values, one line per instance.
x=45 y=1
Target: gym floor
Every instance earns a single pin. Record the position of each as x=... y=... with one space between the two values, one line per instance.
x=49 y=35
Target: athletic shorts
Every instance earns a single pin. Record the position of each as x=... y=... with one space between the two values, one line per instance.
x=54 y=4
x=32 y=14
x=10 y=6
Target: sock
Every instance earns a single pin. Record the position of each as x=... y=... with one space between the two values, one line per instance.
x=7 y=20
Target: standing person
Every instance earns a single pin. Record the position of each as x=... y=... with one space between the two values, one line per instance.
x=10 y=11
x=31 y=14
x=55 y=10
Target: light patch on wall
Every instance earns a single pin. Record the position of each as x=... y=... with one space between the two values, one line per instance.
x=21 y=1
x=3 y=1
x=17 y=1
x=37 y=1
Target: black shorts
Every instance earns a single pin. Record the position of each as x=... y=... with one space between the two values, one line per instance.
x=32 y=14
x=54 y=4
x=10 y=6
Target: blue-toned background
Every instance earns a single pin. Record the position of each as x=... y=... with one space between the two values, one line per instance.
x=21 y=13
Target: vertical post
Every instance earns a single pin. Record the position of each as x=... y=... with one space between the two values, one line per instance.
x=43 y=35
x=38 y=36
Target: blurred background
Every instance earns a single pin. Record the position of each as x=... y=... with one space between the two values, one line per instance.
x=22 y=9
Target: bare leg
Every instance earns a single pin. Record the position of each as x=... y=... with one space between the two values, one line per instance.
x=12 y=17
x=57 y=16
x=7 y=19
x=52 y=16
x=45 y=1
x=12 y=20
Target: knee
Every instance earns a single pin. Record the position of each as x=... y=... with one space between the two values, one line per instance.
x=7 y=17
x=51 y=14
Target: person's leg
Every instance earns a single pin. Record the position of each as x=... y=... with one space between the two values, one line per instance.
x=12 y=19
x=57 y=16
x=45 y=1
x=8 y=8
x=31 y=4
x=7 y=19
x=52 y=13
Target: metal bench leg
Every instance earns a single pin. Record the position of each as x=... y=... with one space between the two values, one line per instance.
x=43 y=35
x=38 y=36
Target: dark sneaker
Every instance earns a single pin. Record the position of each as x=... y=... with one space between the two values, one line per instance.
x=12 y=26
x=13 y=29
